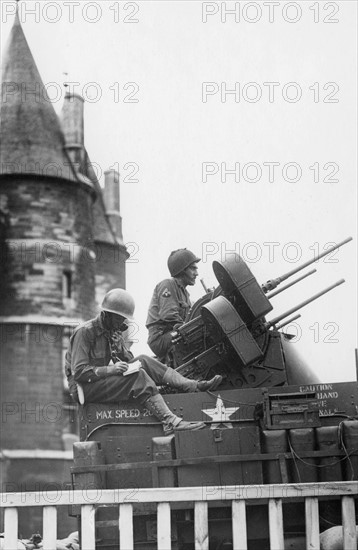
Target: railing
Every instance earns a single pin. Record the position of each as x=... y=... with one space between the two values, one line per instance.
x=237 y=496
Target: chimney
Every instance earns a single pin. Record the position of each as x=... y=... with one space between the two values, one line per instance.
x=73 y=126
x=112 y=201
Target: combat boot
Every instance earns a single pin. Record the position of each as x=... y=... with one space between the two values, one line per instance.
x=205 y=385
x=175 y=380
x=171 y=422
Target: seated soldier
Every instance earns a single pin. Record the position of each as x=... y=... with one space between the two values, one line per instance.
x=170 y=302
x=96 y=342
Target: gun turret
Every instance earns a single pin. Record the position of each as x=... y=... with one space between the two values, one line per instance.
x=229 y=333
x=273 y=283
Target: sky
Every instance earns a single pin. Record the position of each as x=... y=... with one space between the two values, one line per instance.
x=233 y=128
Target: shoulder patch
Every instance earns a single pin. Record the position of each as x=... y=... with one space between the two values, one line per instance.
x=166 y=293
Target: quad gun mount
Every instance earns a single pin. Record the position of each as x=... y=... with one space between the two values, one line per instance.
x=226 y=331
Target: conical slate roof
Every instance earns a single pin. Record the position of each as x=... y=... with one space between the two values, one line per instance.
x=31 y=135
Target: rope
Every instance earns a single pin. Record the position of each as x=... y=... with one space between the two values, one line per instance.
x=340 y=436
x=346 y=457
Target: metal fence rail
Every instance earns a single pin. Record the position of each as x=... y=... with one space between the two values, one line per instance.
x=237 y=496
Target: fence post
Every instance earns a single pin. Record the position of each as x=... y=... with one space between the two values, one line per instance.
x=349 y=524
x=88 y=541
x=239 y=536
x=126 y=526
x=276 y=524
x=164 y=526
x=201 y=532
x=11 y=527
x=312 y=523
x=49 y=529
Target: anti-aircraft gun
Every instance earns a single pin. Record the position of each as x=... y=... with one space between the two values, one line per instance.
x=226 y=330
x=270 y=421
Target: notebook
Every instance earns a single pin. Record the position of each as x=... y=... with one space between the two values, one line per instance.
x=132 y=368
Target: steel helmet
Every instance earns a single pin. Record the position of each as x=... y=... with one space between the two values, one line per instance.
x=180 y=260
x=119 y=301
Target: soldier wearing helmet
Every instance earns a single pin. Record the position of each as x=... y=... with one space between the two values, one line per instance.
x=170 y=302
x=98 y=357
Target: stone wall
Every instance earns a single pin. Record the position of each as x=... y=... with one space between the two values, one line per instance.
x=31 y=358
x=47 y=237
x=110 y=268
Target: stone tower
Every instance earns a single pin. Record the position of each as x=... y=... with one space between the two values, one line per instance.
x=61 y=249
x=109 y=249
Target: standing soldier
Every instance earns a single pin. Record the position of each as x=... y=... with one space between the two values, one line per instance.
x=170 y=302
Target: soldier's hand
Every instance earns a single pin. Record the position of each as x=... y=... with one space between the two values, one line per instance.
x=121 y=367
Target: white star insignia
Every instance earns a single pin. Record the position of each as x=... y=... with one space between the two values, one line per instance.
x=221 y=414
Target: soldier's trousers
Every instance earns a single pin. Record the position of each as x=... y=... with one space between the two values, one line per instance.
x=160 y=342
x=140 y=385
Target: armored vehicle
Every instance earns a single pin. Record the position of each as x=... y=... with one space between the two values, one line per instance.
x=271 y=421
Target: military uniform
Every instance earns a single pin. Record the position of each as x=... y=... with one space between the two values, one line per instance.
x=98 y=341
x=89 y=349
x=169 y=306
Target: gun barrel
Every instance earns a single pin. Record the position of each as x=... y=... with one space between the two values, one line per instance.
x=272 y=294
x=290 y=320
x=204 y=285
x=302 y=304
x=270 y=285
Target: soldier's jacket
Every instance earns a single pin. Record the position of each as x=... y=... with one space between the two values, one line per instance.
x=90 y=348
x=169 y=305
